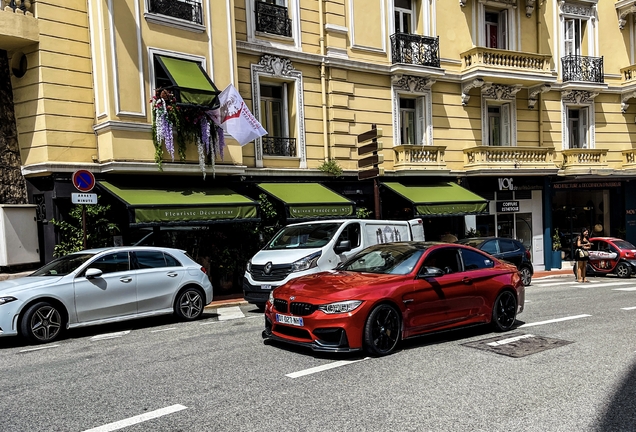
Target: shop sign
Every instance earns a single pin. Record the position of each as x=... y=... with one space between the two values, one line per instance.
x=588 y=185
x=507 y=206
x=507 y=184
x=320 y=211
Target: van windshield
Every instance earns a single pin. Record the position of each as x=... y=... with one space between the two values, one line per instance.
x=308 y=236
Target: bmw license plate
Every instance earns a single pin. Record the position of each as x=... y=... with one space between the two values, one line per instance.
x=290 y=320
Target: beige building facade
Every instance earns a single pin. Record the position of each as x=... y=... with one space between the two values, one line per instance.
x=526 y=103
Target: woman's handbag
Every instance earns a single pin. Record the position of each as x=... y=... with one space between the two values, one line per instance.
x=582 y=253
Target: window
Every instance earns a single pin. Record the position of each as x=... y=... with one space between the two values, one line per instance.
x=475 y=261
x=507 y=246
x=577 y=120
x=403 y=10
x=351 y=233
x=407 y=121
x=273 y=113
x=412 y=122
x=445 y=259
x=499 y=125
x=111 y=263
x=490 y=247
x=171 y=261
x=496 y=29
x=149 y=259
x=187 y=10
x=272 y=17
x=572 y=36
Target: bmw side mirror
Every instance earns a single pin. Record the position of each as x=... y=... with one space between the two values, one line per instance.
x=430 y=272
x=343 y=246
x=93 y=273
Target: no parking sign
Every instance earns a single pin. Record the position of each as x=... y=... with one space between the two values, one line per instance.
x=83 y=180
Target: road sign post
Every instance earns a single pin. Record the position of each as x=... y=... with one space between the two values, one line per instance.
x=373 y=160
x=84 y=181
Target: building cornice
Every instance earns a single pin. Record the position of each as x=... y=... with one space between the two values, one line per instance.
x=116 y=167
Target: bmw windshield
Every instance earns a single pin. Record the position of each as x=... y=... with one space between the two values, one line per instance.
x=64 y=265
x=309 y=236
x=385 y=259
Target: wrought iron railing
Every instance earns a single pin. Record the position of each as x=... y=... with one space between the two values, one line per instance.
x=188 y=10
x=582 y=68
x=415 y=49
x=279 y=146
x=272 y=19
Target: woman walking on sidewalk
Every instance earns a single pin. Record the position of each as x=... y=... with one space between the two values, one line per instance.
x=582 y=255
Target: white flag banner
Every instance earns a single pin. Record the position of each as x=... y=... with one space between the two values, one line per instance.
x=236 y=118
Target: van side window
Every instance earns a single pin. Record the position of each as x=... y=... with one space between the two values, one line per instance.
x=351 y=233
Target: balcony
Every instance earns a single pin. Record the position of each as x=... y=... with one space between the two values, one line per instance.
x=272 y=19
x=279 y=146
x=509 y=158
x=629 y=159
x=410 y=157
x=187 y=10
x=584 y=161
x=513 y=66
x=415 y=50
x=582 y=69
x=18 y=26
x=629 y=74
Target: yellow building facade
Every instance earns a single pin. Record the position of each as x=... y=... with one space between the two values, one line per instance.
x=526 y=103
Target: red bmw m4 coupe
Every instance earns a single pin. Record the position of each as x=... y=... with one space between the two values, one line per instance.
x=391 y=292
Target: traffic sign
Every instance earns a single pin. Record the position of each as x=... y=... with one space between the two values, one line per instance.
x=369 y=135
x=84 y=198
x=83 y=180
x=370 y=148
x=370 y=173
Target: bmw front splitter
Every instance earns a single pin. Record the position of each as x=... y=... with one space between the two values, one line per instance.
x=314 y=346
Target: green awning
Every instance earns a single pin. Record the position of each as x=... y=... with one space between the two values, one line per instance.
x=194 y=85
x=309 y=200
x=181 y=206
x=445 y=199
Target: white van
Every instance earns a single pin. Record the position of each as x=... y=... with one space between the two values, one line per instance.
x=310 y=247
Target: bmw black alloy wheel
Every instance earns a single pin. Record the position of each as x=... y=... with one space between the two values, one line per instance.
x=382 y=330
x=504 y=311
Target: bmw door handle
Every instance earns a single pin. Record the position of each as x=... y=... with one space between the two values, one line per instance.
x=173 y=274
x=467 y=281
x=405 y=301
x=125 y=279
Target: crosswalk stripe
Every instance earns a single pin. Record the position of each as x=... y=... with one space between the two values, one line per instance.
x=624 y=289
x=229 y=313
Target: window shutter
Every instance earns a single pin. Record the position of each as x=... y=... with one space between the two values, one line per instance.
x=583 y=122
x=503 y=29
x=505 y=124
x=568 y=36
x=420 y=128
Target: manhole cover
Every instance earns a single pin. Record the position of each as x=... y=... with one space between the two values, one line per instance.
x=517 y=344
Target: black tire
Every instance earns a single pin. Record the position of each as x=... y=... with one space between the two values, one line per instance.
x=623 y=270
x=526 y=275
x=260 y=307
x=189 y=304
x=504 y=311
x=382 y=331
x=42 y=323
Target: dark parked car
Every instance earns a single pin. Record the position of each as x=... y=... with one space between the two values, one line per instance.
x=508 y=250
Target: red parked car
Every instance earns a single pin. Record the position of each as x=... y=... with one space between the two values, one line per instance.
x=611 y=255
x=391 y=292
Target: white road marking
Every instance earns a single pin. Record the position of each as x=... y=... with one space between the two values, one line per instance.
x=39 y=348
x=323 y=368
x=554 y=284
x=629 y=308
x=163 y=330
x=229 y=313
x=110 y=335
x=137 y=419
x=624 y=289
x=509 y=340
x=553 y=321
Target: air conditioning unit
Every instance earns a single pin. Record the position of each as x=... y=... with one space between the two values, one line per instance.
x=18 y=235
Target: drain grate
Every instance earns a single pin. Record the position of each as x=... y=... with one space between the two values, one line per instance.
x=517 y=344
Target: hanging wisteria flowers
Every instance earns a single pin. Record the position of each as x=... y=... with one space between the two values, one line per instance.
x=198 y=125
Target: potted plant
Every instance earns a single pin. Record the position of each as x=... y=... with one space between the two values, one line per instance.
x=556 y=250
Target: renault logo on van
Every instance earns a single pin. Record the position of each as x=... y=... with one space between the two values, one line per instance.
x=268 y=268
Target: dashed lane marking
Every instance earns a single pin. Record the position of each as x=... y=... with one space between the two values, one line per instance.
x=163 y=330
x=629 y=308
x=137 y=419
x=39 y=348
x=554 y=320
x=323 y=368
x=110 y=335
x=624 y=289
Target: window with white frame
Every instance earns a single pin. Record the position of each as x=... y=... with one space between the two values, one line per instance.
x=572 y=36
x=404 y=16
x=496 y=25
x=412 y=120
x=498 y=117
x=578 y=129
x=275 y=119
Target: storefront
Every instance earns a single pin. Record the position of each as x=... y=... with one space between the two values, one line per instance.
x=515 y=211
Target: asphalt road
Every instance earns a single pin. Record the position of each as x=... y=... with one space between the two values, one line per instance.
x=216 y=374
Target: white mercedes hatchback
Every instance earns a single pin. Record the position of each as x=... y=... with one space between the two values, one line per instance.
x=99 y=286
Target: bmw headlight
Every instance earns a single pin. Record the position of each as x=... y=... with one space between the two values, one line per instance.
x=340 y=307
x=271 y=297
x=310 y=261
x=6 y=299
